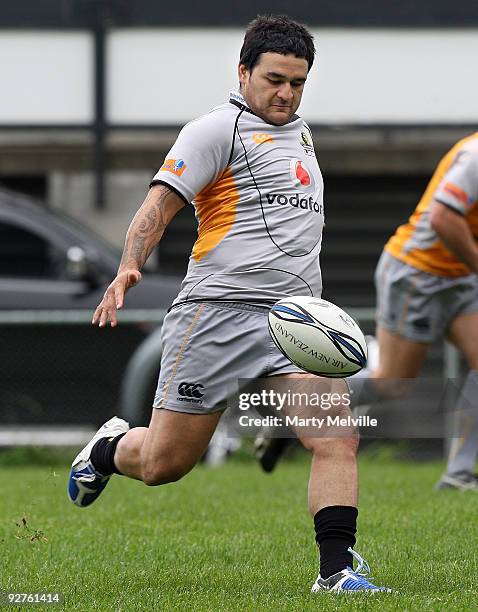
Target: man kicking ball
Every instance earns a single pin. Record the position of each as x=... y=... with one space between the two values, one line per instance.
x=244 y=166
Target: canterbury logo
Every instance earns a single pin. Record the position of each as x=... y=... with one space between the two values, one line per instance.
x=191 y=390
x=260 y=138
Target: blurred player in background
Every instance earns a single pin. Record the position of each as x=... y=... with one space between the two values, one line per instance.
x=250 y=170
x=427 y=289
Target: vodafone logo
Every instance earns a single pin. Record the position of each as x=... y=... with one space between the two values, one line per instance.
x=302 y=174
x=299 y=173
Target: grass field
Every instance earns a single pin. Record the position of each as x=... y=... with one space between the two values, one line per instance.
x=233 y=538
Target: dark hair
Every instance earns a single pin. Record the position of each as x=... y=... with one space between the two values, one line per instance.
x=279 y=34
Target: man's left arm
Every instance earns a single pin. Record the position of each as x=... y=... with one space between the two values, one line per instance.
x=453 y=229
x=454 y=199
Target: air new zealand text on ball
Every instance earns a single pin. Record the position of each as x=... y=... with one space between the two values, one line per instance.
x=307 y=349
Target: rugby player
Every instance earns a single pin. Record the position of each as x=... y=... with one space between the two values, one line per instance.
x=249 y=169
x=427 y=289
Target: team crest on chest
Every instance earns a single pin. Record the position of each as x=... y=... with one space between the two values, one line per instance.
x=306 y=143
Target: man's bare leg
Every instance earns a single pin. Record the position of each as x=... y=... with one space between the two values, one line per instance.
x=463 y=450
x=166 y=450
x=163 y=452
x=333 y=475
x=332 y=493
x=399 y=357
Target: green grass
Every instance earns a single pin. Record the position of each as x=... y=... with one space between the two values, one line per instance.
x=233 y=539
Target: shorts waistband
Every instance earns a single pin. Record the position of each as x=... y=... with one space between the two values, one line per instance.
x=241 y=306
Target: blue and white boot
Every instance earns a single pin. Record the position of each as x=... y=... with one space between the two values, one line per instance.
x=348 y=580
x=85 y=484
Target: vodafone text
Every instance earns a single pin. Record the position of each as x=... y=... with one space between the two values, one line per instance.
x=296 y=201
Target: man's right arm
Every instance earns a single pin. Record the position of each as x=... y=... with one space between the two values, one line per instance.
x=199 y=155
x=145 y=231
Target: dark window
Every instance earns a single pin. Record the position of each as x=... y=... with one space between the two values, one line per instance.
x=23 y=254
x=35 y=186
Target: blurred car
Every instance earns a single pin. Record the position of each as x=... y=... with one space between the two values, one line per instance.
x=71 y=372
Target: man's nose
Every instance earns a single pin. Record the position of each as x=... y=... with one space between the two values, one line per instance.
x=285 y=92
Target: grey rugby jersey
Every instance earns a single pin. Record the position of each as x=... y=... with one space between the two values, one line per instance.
x=257 y=192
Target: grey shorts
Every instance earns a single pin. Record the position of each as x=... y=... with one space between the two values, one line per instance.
x=421 y=306
x=207 y=348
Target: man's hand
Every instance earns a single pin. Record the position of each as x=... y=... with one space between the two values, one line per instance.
x=113 y=298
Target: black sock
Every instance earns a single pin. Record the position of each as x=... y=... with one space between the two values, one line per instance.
x=102 y=455
x=335 y=528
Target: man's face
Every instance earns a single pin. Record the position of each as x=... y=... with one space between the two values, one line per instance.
x=273 y=89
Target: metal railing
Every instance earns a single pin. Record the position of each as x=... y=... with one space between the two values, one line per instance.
x=14 y=433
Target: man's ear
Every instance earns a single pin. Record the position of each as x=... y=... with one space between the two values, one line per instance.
x=242 y=73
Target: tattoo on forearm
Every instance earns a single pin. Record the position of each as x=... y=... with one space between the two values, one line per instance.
x=138 y=251
x=146 y=229
x=148 y=224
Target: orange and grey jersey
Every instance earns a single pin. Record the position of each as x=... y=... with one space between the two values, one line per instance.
x=257 y=192
x=455 y=184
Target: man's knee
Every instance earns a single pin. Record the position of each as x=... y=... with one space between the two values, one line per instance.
x=390 y=388
x=160 y=472
x=326 y=448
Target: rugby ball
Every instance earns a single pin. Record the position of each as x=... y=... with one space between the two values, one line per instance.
x=318 y=336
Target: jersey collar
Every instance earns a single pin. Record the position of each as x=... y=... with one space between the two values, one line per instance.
x=238 y=100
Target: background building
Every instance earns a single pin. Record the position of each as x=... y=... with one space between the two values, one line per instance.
x=95 y=91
